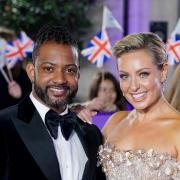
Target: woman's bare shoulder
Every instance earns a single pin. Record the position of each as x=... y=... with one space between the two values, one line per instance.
x=113 y=121
x=175 y=128
x=177 y=116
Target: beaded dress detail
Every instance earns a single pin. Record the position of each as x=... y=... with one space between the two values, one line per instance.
x=138 y=164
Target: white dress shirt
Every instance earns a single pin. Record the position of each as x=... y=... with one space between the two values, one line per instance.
x=70 y=154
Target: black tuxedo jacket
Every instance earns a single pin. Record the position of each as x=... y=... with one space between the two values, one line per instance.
x=27 y=151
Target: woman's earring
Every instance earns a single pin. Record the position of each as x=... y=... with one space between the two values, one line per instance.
x=164 y=85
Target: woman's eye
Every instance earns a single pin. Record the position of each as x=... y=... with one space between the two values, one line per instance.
x=144 y=75
x=123 y=76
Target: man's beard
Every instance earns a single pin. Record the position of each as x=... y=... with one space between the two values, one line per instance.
x=42 y=94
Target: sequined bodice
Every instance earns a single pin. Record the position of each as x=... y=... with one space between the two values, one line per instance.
x=137 y=165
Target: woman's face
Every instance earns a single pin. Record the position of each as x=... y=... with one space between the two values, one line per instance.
x=140 y=79
x=107 y=92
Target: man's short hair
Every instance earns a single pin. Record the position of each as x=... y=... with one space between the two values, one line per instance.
x=57 y=34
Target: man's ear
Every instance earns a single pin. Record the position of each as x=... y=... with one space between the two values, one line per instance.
x=30 y=71
x=164 y=72
x=78 y=72
x=78 y=75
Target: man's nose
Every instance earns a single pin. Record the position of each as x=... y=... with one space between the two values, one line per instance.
x=59 y=77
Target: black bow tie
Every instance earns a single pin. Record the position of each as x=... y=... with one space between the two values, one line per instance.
x=67 y=123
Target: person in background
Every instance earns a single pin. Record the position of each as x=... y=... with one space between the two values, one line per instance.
x=173 y=90
x=14 y=91
x=105 y=94
x=40 y=138
x=105 y=97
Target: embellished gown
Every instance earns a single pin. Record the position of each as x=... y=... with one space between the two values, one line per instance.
x=137 y=165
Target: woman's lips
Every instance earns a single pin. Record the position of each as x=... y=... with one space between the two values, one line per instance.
x=139 y=96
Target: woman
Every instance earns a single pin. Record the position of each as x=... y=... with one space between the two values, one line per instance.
x=173 y=91
x=143 y=144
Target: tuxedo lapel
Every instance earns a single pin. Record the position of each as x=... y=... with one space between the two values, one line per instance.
x=89 y=148
x=37 y=140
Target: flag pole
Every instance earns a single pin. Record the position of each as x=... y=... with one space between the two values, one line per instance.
x=3 y=44
x=102 y=75
x=9 y=73
x=103 y=19
x=102 y=31
x=4 y=75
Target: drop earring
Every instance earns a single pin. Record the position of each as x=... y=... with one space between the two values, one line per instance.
x=164 y=86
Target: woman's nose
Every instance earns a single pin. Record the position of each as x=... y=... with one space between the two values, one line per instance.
x=134 y=85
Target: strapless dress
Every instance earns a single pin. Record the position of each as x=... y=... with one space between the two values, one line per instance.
x=137 y=164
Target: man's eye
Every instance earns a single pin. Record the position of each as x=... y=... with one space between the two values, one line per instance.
x=123 y=76
x=144 y=75
x=71 y=70
x=48 y=69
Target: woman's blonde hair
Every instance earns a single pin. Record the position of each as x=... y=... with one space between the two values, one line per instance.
x=147 y=41
x=173 y=91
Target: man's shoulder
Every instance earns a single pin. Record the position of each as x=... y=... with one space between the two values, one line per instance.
x=88 y=127
x=90 y=130
x=8 y=111
x=91 y=133
x=6 y=115
x=13 y=110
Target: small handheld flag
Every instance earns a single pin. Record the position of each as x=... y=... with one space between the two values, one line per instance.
x=18 y=50
x=98 y=49
x=173 y=46
x=109 y=20
x=2 y=52
x=3 y=44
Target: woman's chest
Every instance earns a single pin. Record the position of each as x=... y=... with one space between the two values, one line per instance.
x=146 y=137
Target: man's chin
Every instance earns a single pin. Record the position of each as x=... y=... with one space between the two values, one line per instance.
x=58 y=101
x=57 y=104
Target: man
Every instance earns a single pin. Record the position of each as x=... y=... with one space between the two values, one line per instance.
x=40 y=138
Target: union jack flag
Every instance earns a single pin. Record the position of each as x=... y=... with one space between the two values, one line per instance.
x=2 y=52
x=18 y=50
x=98 y=49
x=173 y=46
x=173 y=49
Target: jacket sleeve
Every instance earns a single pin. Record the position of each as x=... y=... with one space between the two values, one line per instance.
x=3 y=154
x=100 y=174
x=3 y=148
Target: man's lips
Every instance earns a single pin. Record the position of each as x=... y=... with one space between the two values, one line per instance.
x=57 y=91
